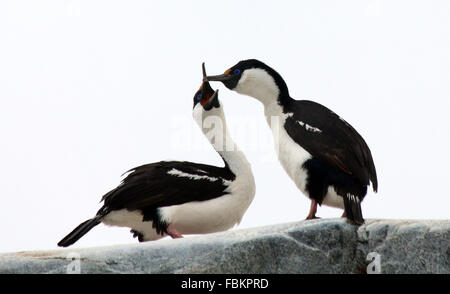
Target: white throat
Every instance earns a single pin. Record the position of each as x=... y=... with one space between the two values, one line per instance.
x=259 y=84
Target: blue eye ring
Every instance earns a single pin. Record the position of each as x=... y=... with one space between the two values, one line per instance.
x=199 y=97
x=237 y=71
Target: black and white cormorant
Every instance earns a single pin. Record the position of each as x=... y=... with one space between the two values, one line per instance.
x=178 y=197
x=324 y=155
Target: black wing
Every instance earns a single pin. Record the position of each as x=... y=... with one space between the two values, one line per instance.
x=153 y=185
x=327 y=137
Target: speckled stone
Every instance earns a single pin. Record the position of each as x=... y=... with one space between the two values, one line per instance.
x=317 y=246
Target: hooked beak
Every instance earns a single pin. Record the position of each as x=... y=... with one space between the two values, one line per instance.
x=203 y=71
x=213 y=100
x=206 y=87
x=220 y=78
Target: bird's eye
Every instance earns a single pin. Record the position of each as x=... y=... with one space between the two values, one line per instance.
x=199 y=97
x=237 y=71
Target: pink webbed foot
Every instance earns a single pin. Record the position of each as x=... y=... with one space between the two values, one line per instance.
x=172 y=232
x=312 y=210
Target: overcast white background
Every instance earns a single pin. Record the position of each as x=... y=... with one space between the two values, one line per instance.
x=90 y=89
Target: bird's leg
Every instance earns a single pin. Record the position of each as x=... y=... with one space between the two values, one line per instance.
x=172 y=232
x=312 y=210
x=344 y=214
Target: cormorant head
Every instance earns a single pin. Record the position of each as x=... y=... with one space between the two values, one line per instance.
x=206 y=96
x=254 y=78
x=209 y=115
x=206 y=104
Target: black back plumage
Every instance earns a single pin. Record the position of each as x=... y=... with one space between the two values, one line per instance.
x=330 y=139
x=150 y=186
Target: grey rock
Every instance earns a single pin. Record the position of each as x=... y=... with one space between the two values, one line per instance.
x=409 y=246
x=317 y=246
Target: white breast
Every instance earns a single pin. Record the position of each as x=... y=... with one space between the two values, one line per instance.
x=291 y=155
x=214 y=215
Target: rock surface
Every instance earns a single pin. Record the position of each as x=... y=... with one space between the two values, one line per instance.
x=317 y=246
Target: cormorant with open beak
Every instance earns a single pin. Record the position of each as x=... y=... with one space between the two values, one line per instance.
x=179 y=197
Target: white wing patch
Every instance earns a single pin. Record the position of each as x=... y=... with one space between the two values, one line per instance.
x=353 y=198
x=178 y=173
x=309 y=128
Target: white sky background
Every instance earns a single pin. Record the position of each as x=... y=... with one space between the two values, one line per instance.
x=90 y=89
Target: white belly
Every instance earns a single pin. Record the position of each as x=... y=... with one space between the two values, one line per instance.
x=291 y=155
x=333 y=199
x=200 y=217
x=205 y=217
x=215 y=215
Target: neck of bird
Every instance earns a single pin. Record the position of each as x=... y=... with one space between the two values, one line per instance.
x=216 y=131
x=274 y=105
x=270 y=90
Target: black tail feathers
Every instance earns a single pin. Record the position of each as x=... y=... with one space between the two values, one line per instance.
x=352 y=206
x=79 y=231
